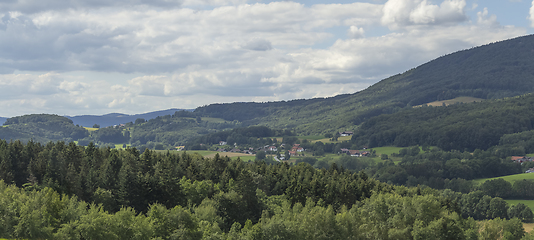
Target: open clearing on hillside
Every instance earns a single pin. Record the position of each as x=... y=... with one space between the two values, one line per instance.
x=387 y=150
x=327 y=140
x=453 y=101
x=509 y=178
x=90 y=129
x=311 y=137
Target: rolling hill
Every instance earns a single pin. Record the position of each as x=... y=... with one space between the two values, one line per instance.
x=117 y=118
x=497 y=70
x=41 y=128
x=494 y=71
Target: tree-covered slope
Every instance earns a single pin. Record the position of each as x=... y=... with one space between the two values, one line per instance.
x=41 y=128
x=496 y=70
x=470 y=126
x=116 y=118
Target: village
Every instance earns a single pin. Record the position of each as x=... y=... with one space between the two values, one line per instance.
x=282 y=151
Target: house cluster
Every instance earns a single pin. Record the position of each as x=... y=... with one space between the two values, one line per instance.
x=522 y=159
x=295 y=150
x=354 y=153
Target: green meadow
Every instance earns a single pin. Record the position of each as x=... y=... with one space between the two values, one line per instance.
x=529 y=203
x=509 y=178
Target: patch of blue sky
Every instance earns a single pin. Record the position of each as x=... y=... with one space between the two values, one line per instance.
x=508 y=12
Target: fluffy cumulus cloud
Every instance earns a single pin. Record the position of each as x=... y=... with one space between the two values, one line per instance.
x=186 y=53
x=400 y=13
x=485 y=19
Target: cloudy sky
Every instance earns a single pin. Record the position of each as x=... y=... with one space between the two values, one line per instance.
x=73 y=57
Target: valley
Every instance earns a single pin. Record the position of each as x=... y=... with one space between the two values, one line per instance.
x=436 y=140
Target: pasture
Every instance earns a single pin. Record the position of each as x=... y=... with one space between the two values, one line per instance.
x=528 y=203
x=453 y=101
x=327 y=140
x=90 y=129
x=509 y=178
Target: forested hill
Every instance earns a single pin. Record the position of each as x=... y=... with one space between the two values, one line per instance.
x=116 y=118
x=496 y=70
x=41 y=128
x=470 y=126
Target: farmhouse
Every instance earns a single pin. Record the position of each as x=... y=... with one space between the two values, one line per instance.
x=222 y=143
x=346 y=133
x=354 y=153
x=357 y=153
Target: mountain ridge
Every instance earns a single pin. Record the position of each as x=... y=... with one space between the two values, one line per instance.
x=112 y=119
x=496 y=70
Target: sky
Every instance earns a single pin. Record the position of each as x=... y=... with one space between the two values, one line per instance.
x=93 y=57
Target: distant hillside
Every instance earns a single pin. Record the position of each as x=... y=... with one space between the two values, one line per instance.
x=496 y=70
x=41 y=128
x=117 y=118
x=469 y=126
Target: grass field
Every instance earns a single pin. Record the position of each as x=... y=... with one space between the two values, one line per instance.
x=119 y=146
x=310 y=137
x=453 y=101
x=509 y=178
x=90 y=129
x=387 y=150
x=529 y=203
x=327 y=140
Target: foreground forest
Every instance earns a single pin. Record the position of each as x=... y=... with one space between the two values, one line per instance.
x=65 y=191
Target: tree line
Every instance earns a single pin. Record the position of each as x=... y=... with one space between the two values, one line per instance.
x=63 y=190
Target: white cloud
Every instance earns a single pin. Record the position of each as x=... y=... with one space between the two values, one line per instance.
x=484 y=19
x=356 y=32
x=33 y=6
x=218 y=51
x=401 y=13
x=531 y=15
